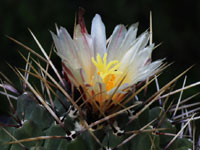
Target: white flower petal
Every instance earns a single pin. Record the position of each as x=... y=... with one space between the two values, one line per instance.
x=85 y=47
x=99 y=35
x=65 y=47
x=129 y=37
x=146 y=71
x=143 y=56
x=137 y=45
x=115 y=42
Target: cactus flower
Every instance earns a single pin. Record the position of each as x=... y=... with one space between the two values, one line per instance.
x=105 y=69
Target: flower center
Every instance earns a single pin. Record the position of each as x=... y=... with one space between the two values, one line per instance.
x=106 y=71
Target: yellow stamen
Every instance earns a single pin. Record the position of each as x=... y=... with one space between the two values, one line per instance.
x=106 y=71
x=105 y=59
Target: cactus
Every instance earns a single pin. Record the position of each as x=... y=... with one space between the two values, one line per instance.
x=57 y=116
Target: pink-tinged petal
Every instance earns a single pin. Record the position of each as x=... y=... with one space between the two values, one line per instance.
x=82 y=38
x=81 y=20
x=116 y=41
x=76 y=76
x=85 y=47
x=67 y=72
x=65 y=47
x=84 y=77
x=84 y=42
x=85 y=39
x=98 y=35
x=67 y=41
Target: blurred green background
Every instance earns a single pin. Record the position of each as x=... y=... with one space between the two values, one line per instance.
x=175 y=23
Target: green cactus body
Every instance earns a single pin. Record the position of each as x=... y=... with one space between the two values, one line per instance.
x=38 y=122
